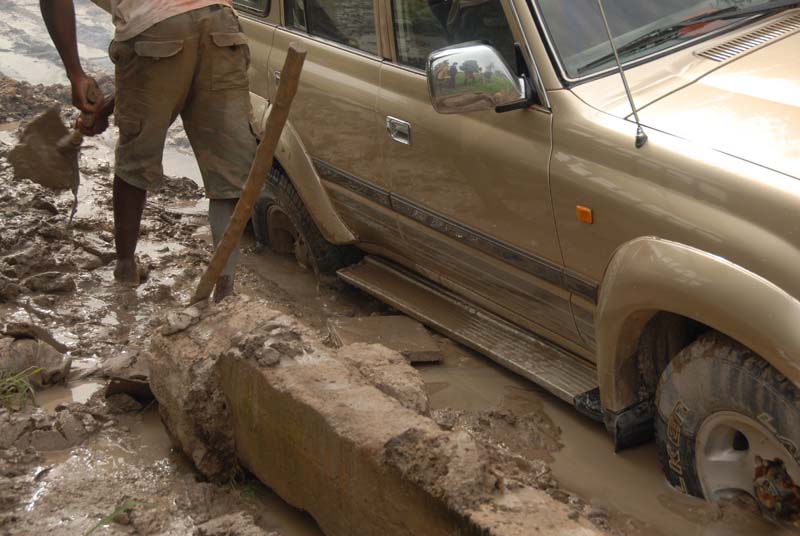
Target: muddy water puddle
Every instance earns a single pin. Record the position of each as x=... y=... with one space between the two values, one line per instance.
x=134 y=463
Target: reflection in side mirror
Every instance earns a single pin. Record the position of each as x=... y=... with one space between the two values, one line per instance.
x=472 y=77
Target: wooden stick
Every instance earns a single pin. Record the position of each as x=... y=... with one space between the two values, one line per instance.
x=279 y=113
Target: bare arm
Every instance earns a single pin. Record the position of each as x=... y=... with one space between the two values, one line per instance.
x=59 y=17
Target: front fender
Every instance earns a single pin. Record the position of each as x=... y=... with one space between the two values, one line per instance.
x=648 y=275
x=295 y=160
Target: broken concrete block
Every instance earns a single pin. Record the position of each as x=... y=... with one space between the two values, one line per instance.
x=129 y=373
x=317 y=431
x=50 y=283
x=399 y=333
x=180 y=320
x=388 y=371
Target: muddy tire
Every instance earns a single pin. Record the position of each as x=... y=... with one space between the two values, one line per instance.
x=281 y=221
x=726 y=423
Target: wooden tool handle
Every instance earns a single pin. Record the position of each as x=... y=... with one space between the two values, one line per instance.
x=75 y=138
x=279 y=113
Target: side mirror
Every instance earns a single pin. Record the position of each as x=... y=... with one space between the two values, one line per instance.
x=471 y=77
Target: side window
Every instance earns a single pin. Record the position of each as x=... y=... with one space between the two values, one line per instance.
x=422 y=26
x=350 y=22
x=259 y=7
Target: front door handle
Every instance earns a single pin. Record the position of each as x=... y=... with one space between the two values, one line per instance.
x=399 y=130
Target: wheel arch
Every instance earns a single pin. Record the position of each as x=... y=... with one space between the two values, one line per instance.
x=651 y=276
x=292 y=156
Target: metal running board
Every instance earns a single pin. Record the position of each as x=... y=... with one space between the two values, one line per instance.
x=555 y=370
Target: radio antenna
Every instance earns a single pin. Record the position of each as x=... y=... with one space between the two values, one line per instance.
x=641 y=137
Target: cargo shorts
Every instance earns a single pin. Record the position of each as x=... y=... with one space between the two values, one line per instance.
x=193 y=65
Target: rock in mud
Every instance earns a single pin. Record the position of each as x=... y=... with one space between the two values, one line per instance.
x=129 y=374
x=24 y=354
x=9 y=290
x=50 y=282
x=238 y=524
x=34 y=428
x=177 y=321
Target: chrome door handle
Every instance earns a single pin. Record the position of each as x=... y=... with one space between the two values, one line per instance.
x=399 y=130
x=277 y=75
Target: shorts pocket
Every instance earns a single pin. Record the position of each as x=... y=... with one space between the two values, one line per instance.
x=120 y=52
x=157 y=49
x=231 y=58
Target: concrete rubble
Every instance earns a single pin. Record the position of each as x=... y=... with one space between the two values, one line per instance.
x=396 y=332
x=247 y=384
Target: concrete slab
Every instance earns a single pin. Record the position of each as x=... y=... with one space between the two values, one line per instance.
x=397 y=332
x=312 y=426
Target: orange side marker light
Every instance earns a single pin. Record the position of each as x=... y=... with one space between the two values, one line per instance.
x=585 y=214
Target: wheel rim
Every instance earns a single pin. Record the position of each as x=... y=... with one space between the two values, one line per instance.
x=728 y=447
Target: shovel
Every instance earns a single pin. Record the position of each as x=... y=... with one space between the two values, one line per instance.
x=47 y=153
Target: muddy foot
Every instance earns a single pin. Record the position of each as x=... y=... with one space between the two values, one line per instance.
x=223 y=288
x=130 y=272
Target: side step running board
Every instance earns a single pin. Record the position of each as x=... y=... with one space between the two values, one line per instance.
x=557 y=371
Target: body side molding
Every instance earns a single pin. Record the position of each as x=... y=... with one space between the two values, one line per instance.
x=541 y=268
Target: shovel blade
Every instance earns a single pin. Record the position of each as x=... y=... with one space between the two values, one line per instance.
x=37 y=156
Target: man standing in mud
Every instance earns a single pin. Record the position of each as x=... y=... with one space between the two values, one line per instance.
x=172 y=57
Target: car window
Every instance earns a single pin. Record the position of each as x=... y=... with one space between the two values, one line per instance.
x=260 y=7
x=350 y=22
x=422 y=26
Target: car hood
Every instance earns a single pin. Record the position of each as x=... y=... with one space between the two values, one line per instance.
x=748 y=107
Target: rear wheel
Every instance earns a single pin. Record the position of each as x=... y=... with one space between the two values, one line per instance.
x=281 y=221
x=726 y=425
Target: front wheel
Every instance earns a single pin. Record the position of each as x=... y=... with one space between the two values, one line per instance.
x=727 y=424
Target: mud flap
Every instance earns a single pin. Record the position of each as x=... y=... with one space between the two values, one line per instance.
x=633 y=426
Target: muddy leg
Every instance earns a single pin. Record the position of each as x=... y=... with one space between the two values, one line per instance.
x=219 y=214
x=128 y=207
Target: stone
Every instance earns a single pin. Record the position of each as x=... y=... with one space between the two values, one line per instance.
x=9 y=290
x=20 y=355
x=177 y=321
x=50 y=282
x=129 y=373
x=238 y=524
x=400 y=333
x=388 y=371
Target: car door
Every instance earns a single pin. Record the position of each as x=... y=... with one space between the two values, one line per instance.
x=472 y=189
x=334 y=111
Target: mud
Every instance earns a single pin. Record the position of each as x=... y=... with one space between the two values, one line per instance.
x=88 y=446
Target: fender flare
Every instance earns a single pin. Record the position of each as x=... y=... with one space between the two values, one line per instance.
x=649 y=275
x=291 y=154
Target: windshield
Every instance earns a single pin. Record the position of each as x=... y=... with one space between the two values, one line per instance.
x=580 y=39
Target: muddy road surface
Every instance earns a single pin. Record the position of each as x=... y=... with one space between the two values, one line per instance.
x=86 y=456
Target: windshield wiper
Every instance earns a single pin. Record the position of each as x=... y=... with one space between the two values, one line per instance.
x=661 y=35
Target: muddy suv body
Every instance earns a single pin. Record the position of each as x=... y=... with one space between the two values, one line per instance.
x=541 y=231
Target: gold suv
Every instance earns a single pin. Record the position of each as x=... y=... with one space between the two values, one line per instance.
x=620 y=225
